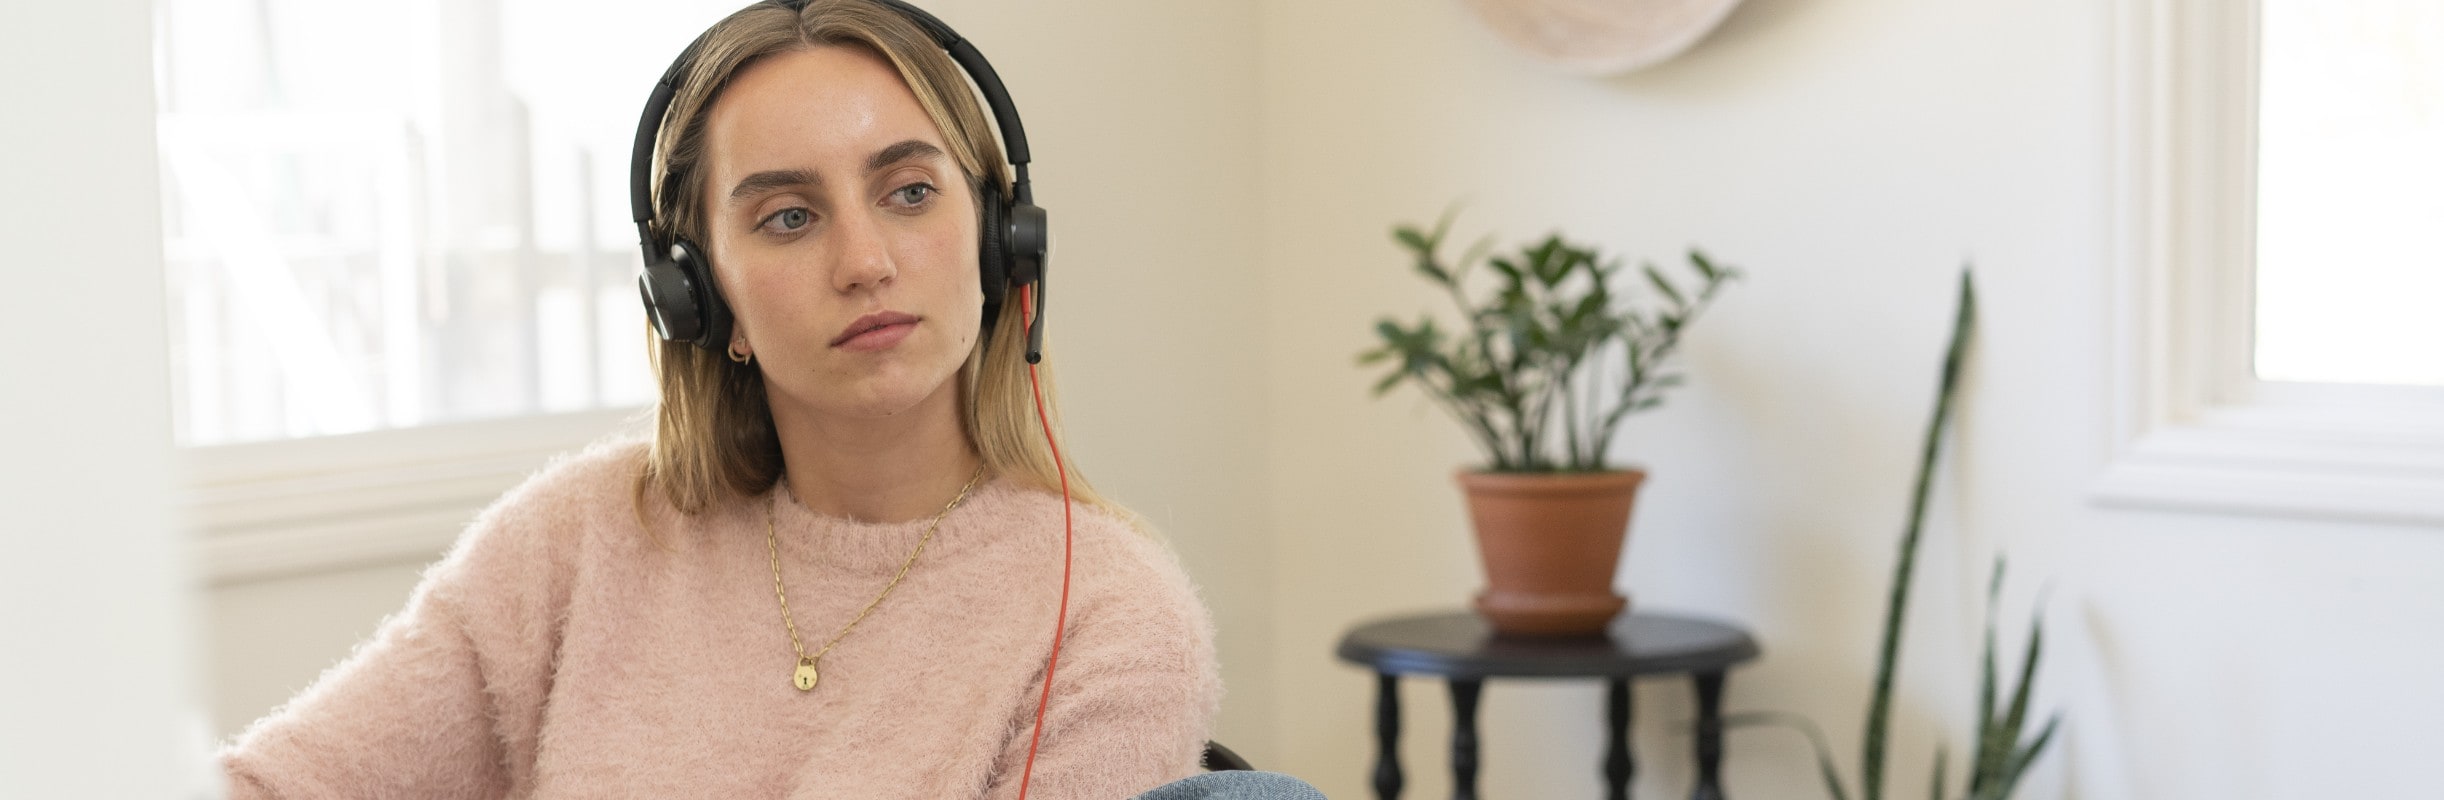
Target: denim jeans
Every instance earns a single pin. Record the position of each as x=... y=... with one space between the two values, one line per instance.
x=1235 y=786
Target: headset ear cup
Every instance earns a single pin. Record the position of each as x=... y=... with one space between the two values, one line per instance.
x=715 y=334
x=993 y=260
x=1027 y=241
x=670 y=300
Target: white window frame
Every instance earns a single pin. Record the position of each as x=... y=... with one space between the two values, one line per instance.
x=2192 y=428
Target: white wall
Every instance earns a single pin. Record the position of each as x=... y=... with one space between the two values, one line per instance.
x=1224 y=177
x=1851 y=156
x=93 y=583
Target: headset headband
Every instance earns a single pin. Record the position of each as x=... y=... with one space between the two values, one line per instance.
x=980 y=71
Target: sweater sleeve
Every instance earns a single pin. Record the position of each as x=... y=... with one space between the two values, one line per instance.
x=443 y=700
x=1134 y=695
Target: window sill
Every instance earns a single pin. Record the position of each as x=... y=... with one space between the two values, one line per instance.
x=2293 y=464
x=263 y=510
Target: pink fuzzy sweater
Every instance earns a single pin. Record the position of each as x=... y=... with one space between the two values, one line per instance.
x=558 y=651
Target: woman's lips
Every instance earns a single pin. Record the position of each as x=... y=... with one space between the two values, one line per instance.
x=877 y=331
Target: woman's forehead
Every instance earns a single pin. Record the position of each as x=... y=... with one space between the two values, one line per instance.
x=824 y=108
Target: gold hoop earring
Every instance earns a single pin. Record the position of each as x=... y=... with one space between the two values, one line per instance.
x=738 y=356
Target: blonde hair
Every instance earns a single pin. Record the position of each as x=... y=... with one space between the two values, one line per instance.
x=714 y=437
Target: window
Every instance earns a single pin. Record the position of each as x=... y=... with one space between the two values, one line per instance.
x=2350 y=188
x=2273 y=354
x=399 y=214
x=401 y=269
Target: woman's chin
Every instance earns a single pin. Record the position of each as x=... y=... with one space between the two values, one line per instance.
x=874 y=399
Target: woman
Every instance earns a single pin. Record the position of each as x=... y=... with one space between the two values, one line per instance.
x=835 y=569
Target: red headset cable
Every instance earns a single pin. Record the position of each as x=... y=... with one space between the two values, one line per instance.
x=1069 y=535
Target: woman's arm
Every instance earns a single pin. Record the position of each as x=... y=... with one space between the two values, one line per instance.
x=1133 y=700
x=442 y=701
x=404 y=716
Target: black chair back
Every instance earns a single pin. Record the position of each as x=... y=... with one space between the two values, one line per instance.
x=1221 y=759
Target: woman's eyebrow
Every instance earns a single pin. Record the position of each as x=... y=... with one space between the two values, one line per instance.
x=908 y=150
x=768 y=180
x=771 y=179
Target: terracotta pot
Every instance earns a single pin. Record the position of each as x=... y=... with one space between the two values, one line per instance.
x=1551 y=544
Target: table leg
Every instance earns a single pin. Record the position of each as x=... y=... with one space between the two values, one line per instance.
x=1619 y=766
x=1387 y=736
x=1464 y=737
x=1709 y=736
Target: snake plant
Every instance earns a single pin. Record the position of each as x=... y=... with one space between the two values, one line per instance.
x=2004 y=748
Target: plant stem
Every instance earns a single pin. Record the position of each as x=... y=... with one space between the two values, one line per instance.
x=1472 y=415
x=1569 y=416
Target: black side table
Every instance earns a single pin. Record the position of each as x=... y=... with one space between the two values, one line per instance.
x=1462 y=648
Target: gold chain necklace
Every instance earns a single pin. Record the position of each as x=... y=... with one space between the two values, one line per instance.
x=806 y=675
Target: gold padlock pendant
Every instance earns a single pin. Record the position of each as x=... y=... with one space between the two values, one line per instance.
x=806 y=676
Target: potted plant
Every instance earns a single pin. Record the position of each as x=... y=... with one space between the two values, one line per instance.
x=1545 y=362
x=2005 y=746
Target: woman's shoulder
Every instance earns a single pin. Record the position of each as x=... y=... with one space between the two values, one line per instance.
x=577 y=483
x=1123 y=561
x=1105 y=530
x=542 y=520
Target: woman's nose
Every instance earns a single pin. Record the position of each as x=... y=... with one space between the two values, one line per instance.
x=864 y=257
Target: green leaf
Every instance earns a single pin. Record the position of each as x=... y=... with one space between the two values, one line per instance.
x=1384 y=386
x=1427 y=267
x=1549 y=270
x=1510 y=271
x=1664 y=286
x=1442 y=225
x=1475 y=251
x=1992 y=742
x=1934 y=789
x=2026 y=755
x=1410 y=238
x=1588 y=306
x=2028 y=682
x=1704 y=266
x=1582 y=258
x=1879 y=704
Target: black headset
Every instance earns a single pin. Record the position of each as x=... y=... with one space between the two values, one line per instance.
x=677 y=283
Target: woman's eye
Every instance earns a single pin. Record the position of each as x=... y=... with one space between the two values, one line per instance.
x=789 y=219
x=914 y=194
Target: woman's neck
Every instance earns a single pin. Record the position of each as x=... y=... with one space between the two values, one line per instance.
x=890 y=469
